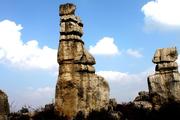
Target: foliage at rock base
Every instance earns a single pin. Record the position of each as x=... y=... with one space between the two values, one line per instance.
x=125 y=111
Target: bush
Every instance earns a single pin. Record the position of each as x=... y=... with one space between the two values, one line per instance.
x=125 y=111
x=169 y=111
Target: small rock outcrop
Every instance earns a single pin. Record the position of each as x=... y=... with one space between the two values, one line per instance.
x=164 y=85
x=112 y=112
x=78 y=88
x=143 y=100
x=4 y=106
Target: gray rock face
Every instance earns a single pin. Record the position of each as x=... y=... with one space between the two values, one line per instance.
x=164 y=85
x=4 y=106
x=78 y=87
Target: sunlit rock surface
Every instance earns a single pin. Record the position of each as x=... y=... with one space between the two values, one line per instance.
x=78 y=87
x=164 y=85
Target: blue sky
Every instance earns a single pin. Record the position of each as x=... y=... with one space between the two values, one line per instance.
x=121 y=34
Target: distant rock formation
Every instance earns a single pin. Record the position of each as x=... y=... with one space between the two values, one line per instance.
x=164 y=85
x=4 y=106
x=143 y=100
x=78 y=87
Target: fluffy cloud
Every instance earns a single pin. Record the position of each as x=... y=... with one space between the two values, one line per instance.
x=134 y=53
x=105 y=46
x=121 y=77
x=163 y=11
x=39 y=94
x=124 y=86
x=23 y=55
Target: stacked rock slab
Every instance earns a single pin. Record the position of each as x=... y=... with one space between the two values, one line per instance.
x=164 y=85
x=78 y=87
x=4 y=106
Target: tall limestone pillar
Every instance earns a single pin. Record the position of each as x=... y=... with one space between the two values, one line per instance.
x=78 y=87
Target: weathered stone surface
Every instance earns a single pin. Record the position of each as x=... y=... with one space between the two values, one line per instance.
x=167 y=66
x=68 y=28
x=142 y=96
x=67 y=9
x=74 y=18
x=112 y=103
x=143 y=100
x=164 y=85
x=71 y=37
x=143 y=104
x=113 y=113
x=165 y=55
x=78 y=87
x=4 y=106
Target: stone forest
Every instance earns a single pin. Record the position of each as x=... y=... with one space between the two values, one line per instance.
x=82 y=95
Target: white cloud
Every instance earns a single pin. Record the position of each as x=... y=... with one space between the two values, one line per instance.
x=23 y=55
x=40 y=93
x=163 y=11
x=105 y=46
x=121 y=77
x=134 y=53
x=124 y=86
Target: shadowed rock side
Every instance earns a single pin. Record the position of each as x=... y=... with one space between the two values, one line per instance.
x=78 y=87
x=4 y=106
x=164 y=85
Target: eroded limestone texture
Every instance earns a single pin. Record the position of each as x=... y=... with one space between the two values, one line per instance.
x=4 y=106
x=78 y=87
x=143 y=101
x=164 y=85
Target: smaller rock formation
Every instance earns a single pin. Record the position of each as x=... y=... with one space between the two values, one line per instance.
x=164 y=85
x=143 y=100
x=142 y=96
x=4 y=106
